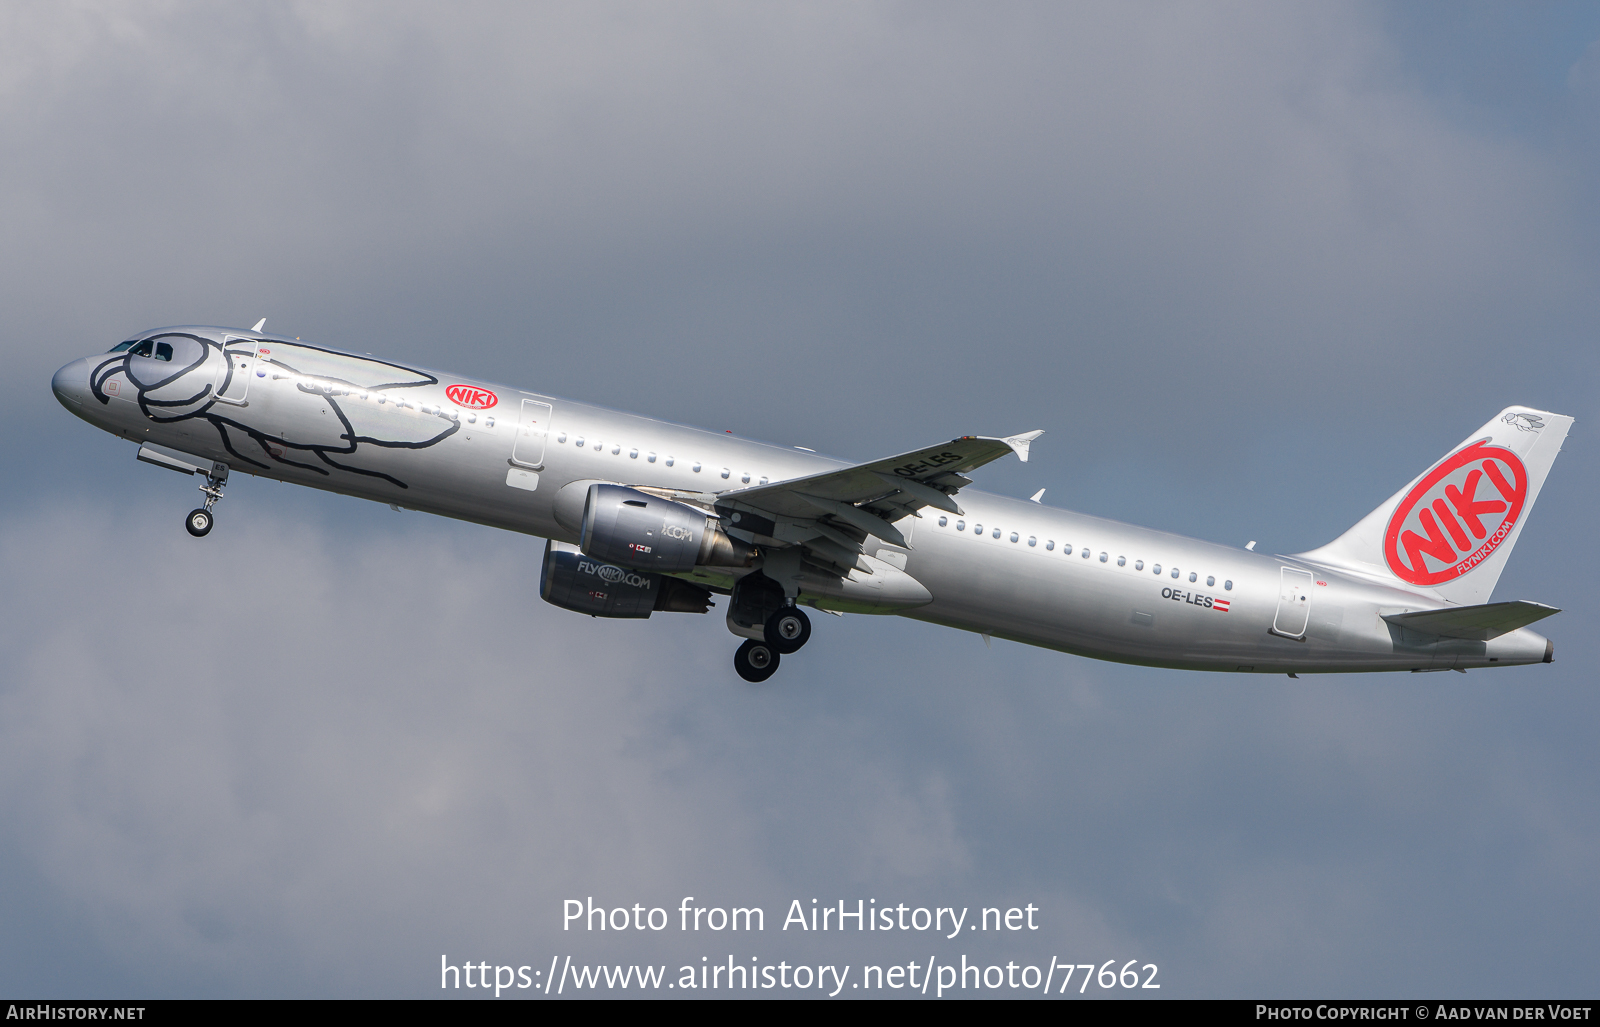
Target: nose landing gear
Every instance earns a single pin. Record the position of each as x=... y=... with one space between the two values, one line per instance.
x=199 y=521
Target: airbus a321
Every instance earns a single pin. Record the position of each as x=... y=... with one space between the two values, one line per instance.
x=644 y=516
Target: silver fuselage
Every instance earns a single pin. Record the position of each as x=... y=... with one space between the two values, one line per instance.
x=1048 y=577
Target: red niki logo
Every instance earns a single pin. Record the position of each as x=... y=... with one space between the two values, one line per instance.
x=471 y=397
x=1456 y=516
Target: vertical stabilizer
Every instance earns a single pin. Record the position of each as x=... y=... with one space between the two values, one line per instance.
x=1450 y=531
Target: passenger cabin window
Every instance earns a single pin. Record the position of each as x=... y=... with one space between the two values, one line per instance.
x=1049 y=544
x=997 y=533
x=1228 y=585
x=1103 y=557
x=562 y=437
x=1122 y=561
x=943 y=521
x=1211 y=582
x=1155 y=569
x=650 y=459
x=1067 y=551
x=697 y=467
x=1192 y=577
x=961 y=525
x=633 y=454
x=1013 y=536
x=745 y=477
x=671 y=460
x=1138 y=565
x=617 y=448
x=726 y=472
x=1032 y=541
x=1174 y=572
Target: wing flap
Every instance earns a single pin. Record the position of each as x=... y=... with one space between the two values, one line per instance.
x=936 y=468
x=1489 y=620
x=831 y=514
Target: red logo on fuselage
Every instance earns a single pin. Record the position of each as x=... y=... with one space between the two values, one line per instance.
x=471 y=397
x=1457 y=515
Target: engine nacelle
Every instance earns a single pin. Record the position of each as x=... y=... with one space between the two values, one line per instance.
x=634 y=529
x=574 y=581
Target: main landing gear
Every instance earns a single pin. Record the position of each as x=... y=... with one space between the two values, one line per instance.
x=775 y=627
x=755 y=661
x=200 y=519
x=786 y=631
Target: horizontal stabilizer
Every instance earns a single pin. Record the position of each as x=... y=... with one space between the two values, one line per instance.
x=1476 y=622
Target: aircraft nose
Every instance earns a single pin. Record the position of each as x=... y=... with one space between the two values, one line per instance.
x=71 y=383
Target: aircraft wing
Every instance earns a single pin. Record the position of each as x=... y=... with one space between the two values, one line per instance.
x=1482 y=623
x=832 y=513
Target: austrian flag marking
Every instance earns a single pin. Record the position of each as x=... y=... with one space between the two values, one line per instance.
x=1457 y=515
x=471 y=397
x=1221 y=605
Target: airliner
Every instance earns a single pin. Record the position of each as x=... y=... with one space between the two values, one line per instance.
x=643 y=516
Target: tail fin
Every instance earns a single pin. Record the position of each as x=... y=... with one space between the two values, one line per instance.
x=1451 y=530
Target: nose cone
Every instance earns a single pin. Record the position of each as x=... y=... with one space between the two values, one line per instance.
x=71 y=385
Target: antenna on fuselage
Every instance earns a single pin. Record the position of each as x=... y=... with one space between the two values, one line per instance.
x=1251 y=545
x=259 y=325
x=1037 y=496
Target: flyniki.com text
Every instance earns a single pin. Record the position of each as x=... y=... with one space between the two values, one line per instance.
x=866 y=915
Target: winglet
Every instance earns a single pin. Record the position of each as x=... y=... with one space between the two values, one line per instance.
x=1037 y=496
x=260 y=325
x=1019 y=443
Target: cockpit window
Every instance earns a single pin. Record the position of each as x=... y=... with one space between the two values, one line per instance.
x=156 y=350
x=119 y=347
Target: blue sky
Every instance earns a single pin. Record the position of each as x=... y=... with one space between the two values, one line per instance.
x=1251 y=267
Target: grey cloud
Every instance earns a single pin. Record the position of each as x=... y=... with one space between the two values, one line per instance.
x=307 y=780
x=1244 y=266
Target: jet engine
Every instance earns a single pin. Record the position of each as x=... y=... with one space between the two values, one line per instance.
x=583 y=584
x=634 y=529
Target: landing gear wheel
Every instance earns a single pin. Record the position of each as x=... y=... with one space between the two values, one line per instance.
x=198 y=522
x=755 y=661
x=788 y=630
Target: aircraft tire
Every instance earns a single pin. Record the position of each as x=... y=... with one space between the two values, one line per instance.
x=198 y=522
x=788 y=630
x=755 y=661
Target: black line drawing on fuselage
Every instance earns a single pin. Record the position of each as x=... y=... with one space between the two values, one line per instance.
x=192 y=393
